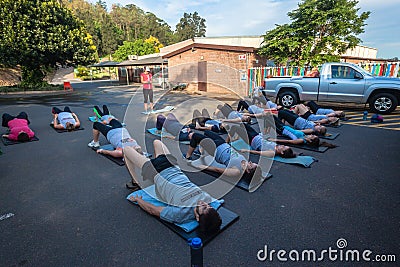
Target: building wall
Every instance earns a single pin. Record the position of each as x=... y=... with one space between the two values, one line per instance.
x=361 y=52
x=212 y=70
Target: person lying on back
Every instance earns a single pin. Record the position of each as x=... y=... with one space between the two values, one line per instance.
x=18 y=127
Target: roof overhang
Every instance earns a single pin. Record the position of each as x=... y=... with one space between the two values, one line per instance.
x=211 y=47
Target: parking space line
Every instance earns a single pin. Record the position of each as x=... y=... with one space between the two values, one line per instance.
x=390 y=121
x=6 y=216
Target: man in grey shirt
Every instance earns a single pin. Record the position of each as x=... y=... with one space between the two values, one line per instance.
x=185 y=200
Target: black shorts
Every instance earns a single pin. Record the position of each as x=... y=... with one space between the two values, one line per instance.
x=306 y=115
x=154 y=166
x=148 y=95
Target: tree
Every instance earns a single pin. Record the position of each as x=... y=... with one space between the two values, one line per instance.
x=155 y=43
x=321 y=30
x=190 y=26
x=139 y=47
x=106 y=35
x=37 y=34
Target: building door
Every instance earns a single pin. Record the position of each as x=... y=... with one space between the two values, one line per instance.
x=202 y=76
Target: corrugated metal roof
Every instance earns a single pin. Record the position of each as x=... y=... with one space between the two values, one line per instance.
x=143 y=62
x=106 y=64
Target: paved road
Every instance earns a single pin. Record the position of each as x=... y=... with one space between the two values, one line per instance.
x=63 y=205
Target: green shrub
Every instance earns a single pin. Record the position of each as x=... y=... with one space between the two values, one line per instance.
x=82 y=71
x=18 y=88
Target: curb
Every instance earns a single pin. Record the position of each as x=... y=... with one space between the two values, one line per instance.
x=34 y=93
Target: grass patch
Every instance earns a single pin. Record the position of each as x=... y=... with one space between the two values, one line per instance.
x=17 y=88
x=96 y=76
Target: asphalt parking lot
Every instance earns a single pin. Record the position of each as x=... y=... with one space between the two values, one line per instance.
x=61 y=204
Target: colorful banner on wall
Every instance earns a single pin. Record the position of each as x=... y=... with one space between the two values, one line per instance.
x=257 y=75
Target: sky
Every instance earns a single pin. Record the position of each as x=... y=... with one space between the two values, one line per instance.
x=256 y=17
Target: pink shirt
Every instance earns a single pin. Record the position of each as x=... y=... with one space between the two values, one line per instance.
x=147 y=78
x=18 y=125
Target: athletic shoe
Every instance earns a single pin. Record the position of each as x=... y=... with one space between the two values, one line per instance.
x=185 y=158
x=94 y=144
x=197 y=152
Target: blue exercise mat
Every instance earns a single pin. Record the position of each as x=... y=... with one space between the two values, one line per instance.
x=304 y=161
x=164 y=133
x=228 y=218
x=96 y=119
x=165 y=109
x=147 y=195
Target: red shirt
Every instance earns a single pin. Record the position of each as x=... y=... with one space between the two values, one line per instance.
x=147 y=78
x=18 y=125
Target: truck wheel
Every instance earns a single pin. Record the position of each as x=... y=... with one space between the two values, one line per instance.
x=383 y=103
x=288 y=99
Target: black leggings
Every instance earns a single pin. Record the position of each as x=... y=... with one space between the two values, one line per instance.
x=154 y=166
x=56 y=110
x=242 y=105
x=226 y=109
x=200 y=118
x=209 y=138
x=313 y=106
x=148 y=95
x=102 y=113
x=7 y=117
x=288 y=116
x=278 y=125
x=104 y=129
x=245 y=131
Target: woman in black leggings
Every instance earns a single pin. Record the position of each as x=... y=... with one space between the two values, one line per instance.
x=258 y=144
x=202 y=121
x=236 y=164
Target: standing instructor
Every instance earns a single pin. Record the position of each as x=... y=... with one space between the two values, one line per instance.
x=146 y=79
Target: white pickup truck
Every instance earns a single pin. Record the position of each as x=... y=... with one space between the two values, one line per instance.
x=337 y=82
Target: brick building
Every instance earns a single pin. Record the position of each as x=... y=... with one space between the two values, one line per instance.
x=213 y=64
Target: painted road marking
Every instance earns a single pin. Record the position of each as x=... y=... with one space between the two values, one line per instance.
x=6 y=216
x=390 y=121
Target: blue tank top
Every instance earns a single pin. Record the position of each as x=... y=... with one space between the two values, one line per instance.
x=229 y=157
x=301 y=124
x=292 y=133
x=260 y=144
x=234 y=115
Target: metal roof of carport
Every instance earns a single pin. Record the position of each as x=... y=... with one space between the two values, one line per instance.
x=106 y=64
x=143 y=62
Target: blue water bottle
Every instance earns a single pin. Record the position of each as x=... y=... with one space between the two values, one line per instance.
x=196 y=252
x=365 y=115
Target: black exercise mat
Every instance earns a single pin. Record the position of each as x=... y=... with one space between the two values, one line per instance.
x=329 y=135
x=333 y=126
x=242 y=183
x=228 y=218
x=320 y=149
x=119 y=161
x=65 y=130
x=8 y=142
